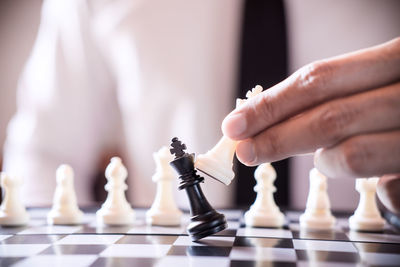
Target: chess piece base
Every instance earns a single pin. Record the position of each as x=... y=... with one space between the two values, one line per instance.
x=13 y=219
x=366 y=224
x=64 y=218
x=206 y=224
x=163 y=218
x=110 y=218
x=214 y=169
x=264 y=219
x=317 y=222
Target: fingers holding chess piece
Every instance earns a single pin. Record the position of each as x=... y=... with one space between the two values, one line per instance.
x=115 y=210
x=65 y=208
x=164 y=210
x=218 y=162
x=12 y=210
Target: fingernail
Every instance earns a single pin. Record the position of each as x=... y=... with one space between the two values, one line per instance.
x=234 y=125
x=245 y=151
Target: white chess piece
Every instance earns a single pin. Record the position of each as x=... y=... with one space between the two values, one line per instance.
x=65 y=208
x=164 y=210
x=115 y=210
x=367 y=216
x=264 y=212
x=317 y=215
x=12 y=210
x=218 y=162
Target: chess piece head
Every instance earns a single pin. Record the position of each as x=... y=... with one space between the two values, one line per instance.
x=7 y=180
x=318 y=181
x=265 y=173
x=366 y=185
x=250 y=94
x=163 y=170
x=64 y=175
x=116 y=171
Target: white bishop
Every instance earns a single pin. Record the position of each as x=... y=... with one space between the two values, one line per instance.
x=115 y=210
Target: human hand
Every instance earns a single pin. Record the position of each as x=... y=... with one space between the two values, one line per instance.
x=388 y=191
x=347 y=108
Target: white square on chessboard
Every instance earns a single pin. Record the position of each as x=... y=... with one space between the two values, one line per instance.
x=325 y=264
x=215 y=241
x=55 y=229
x=58 y=260
x=21 y=250
x=184 y=261
x=264 y=232
x=136 y=250
x=88 y=239
x=324 y=245
x=157 y=230
x=263 y=254
x=380 y=259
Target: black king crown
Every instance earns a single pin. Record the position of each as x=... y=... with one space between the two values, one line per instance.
x=205 y=220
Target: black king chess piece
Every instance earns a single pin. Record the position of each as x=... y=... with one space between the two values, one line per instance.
x=205 y=220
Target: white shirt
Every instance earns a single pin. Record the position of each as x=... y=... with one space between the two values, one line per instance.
x=130 y=73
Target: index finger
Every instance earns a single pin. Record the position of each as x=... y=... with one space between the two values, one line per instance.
x=314 y=84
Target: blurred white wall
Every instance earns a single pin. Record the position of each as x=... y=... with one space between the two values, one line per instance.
x=19 y=22
x=319 y=29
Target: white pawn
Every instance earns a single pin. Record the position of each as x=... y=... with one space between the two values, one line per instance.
x=367 y=216
x=218 y=162
x=317 y=215
x=12 y=210
x=164 y=210
x=264 y=212
x=65 y=208
x=115 y=210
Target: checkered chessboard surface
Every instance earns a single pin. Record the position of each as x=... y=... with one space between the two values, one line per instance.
x=139 y=245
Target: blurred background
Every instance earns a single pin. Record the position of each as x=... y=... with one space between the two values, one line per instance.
x=306 y=30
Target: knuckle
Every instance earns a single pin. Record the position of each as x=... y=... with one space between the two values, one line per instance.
x=332 y=122
x=315 y=76
x=355 y=157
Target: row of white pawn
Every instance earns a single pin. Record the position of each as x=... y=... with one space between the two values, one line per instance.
x=116 y=210
x=317 y=216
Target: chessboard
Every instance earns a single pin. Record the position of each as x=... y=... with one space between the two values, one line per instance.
x=39 y=244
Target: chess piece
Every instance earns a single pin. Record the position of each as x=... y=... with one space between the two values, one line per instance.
x=218 y=162
x=65 y=208
x=367 y=216
x=317 y=215
x=205 y=220
x=264 y=212
x=116 y=210
x=12 y=210
x=164 y=210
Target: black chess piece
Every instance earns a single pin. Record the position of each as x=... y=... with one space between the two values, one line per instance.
x=205 y=220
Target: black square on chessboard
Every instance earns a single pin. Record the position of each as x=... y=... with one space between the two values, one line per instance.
x=241 y=241
x=147 y=239
x=32 y=239
x=200 y=251
x=124 y=262
x=73 y=250
x=327 y=256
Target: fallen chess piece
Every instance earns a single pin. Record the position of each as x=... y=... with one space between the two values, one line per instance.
x=205 y=220
x=367 y=216
x=264 y=212
x=115 y=210
x=317 y=215
x=12 y=210
x=65 y=208
x=218 y=162
x=164 y=211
